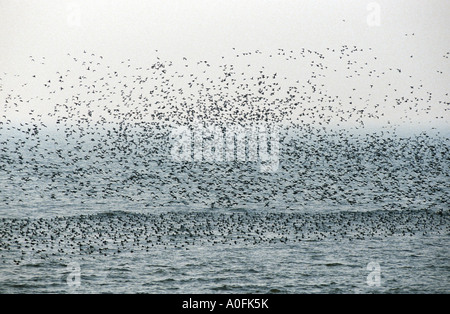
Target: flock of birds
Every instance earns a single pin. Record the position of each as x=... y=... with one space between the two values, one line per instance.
x=99 y=134
x=27 y=241
x=104 y=133
x=241 y=93
x=329 y=170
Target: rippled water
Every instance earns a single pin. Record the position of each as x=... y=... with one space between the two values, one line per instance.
x=408 y=264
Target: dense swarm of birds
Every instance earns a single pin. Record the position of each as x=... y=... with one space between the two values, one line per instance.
x=96 y=132
x=123 y=232
x=102 y=139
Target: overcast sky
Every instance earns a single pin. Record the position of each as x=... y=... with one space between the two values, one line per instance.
x=211 y=27
x=207 y=30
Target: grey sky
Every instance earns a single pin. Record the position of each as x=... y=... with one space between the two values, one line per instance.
x=208 y=30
